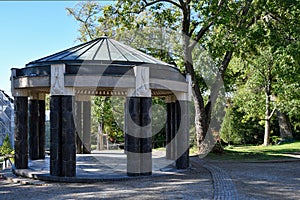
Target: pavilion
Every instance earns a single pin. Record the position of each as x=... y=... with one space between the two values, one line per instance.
x=101 y=67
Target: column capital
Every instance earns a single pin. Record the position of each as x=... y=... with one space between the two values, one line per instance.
x=142 y=81
x=58 y=81
x=20 y=93
x=182 y=96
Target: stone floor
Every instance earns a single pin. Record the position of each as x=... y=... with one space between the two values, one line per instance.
x=98 y=166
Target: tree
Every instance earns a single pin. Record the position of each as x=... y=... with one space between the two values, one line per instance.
x=195 y=19
x=221 y=27
x=270 y=56
x=6 y=147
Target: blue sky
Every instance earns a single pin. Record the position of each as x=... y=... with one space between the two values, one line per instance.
x=32 y=30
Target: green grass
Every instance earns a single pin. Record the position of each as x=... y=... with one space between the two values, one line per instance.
x=253 y=153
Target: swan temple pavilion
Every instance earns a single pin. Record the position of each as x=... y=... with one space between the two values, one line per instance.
x=101 y=67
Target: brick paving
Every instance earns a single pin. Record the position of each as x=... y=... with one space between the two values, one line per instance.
x=206 y=179
x=223 y=186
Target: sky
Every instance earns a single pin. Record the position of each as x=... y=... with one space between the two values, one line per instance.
x=30 y=30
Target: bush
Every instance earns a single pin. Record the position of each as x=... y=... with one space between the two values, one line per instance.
x=6 y=147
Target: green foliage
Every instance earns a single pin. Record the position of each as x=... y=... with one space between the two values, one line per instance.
x=238 y=130
x=229 y=133
x=254 y=153
x=264 y=36
x=6 y=147
x=108 y=113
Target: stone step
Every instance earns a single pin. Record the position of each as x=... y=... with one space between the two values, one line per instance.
x=12 y=178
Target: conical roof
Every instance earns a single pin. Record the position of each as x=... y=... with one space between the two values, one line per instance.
x=104 y=50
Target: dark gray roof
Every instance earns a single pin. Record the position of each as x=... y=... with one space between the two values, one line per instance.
x=101 y=50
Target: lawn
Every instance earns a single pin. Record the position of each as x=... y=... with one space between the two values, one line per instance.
x=253 y=153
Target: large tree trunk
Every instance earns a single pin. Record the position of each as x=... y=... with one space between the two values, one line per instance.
x=267 y=122
x=284 y=126
x=203 y=111
x=268 y=114
x=100 y=145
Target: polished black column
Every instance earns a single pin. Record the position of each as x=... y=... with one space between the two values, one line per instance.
x=86 y=126
x=168 y=131
x=132 y=132
x=146 y=136
x=55 y=136
x=182 y=135
x=33 y=129
x=21 y=132
x=42 y=134
x=68 y=137
x=63 y=148
x=78 y=125
x=138 y=138
x=173 y=129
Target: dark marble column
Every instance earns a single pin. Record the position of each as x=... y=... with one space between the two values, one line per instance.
x=132 y=132
x=138 y=140
x=55 y=135
x=168 y=131
x=78 y=124
x=146 y=136
x=33 y=129
x=173 y=130
x=42 y=135
x=68 y=137
x=182 y=139
x=86 y=126
x=21 y=132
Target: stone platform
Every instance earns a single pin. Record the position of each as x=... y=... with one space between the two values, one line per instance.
x=107 y=165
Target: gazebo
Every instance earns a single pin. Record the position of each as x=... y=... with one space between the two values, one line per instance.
x=101 y=67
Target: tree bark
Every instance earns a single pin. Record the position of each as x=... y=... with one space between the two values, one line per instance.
x=100 y=145
x=284 y=126
x=267 y=122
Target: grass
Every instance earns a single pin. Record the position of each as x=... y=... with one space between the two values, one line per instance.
x=254 y=153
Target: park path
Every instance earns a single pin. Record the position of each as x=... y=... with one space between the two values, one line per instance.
x=207 y=179
x=255 y=180
x=223 y=186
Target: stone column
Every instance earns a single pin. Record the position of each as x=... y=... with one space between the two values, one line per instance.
x=33 y=129
x=86 y=126
x=138 y=130
x=55 y=136
x=183 y=127
x=42 y=130
x=182 y=136
x=68 y=137
x=36 y=126
x=21 y=132
x=132 y=132
x=146 y=136
x=62 y=147
x=78 y=125
x=173 y=130
x=168 y=128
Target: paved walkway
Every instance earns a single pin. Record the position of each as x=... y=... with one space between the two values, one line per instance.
x=206 y=179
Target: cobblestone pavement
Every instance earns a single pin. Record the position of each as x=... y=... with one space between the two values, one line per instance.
x=261 y=180
x=192 y=184
x=206 y=180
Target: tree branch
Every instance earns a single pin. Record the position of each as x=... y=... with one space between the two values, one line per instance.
x=157 y=1
x=200 y=35
x=272 y=113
